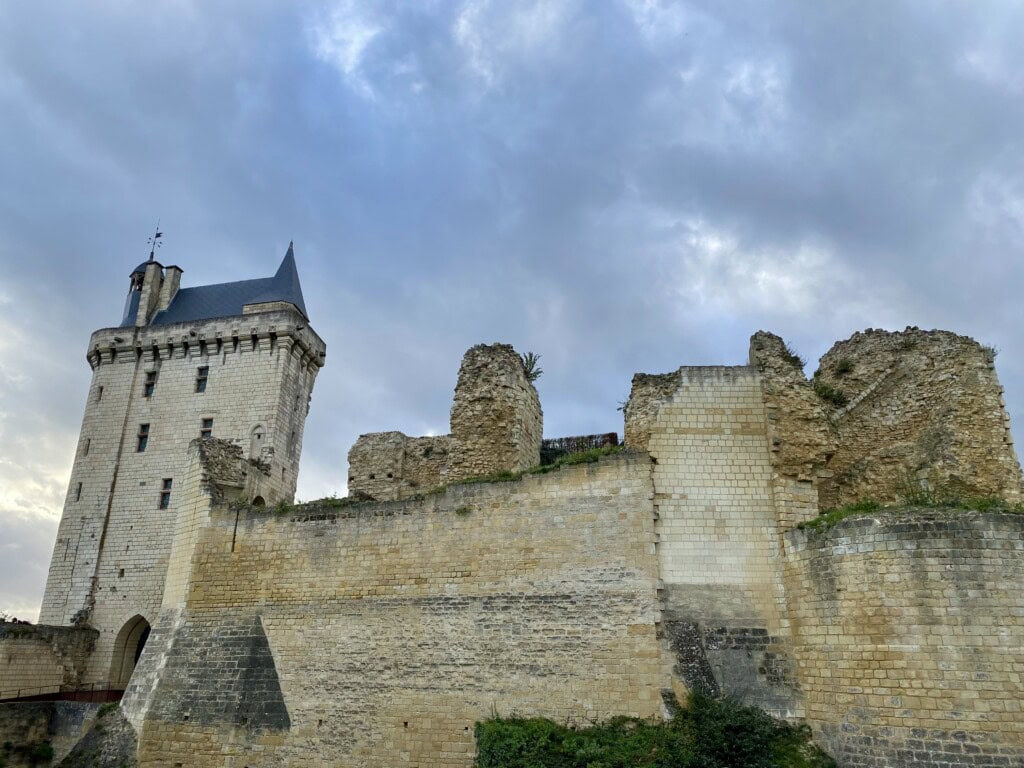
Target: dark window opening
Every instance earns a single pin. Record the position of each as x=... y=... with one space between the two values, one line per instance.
x=372 y=476
x=255 y=342
x=259 y=501
x=143 y=436
x=78 y=492
x=88 y=444
x=206 y=428
x=99 y=394
x=234 y=343
x=202 y=375
x=120 y=573
x=150 y=385
x=165 y=493
x=202 y=348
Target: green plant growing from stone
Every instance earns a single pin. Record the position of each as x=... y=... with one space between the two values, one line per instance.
x=790 y=356
x=463 y=510
x=531 y=365
x=842 y=367
x=831 y=395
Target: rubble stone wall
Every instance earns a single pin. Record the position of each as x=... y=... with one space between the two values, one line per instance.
x=496 y=419
x=496 y=426
x=925 y=411
x=908 y=631
x=388 y=466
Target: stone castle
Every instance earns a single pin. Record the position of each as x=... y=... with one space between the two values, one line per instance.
x=462 y=577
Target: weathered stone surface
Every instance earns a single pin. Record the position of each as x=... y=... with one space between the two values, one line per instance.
x=908 y=632
x=111 y=742
x=37 y=658
x=496 y=426
x=496 y=418
x=925 y=412
x=60 y=724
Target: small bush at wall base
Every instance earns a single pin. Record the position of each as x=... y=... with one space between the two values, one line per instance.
x=708 y=733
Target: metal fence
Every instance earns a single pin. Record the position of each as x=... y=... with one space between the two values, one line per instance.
x=98 y=693
x=553 y=449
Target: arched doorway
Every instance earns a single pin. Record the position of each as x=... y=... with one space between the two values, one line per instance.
x=127 y=649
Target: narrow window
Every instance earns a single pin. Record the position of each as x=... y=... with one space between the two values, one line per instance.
x=206 y=428
x=78 y=492
x=291 y=444
x=99 y=394
x=202 y=374
x=143 y=436
x=150 y=385
x=165 y=493
x=120 y=573
x=85 y=449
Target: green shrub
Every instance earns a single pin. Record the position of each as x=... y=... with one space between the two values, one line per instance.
x=790 y=356
x=831 y=395
x=708 y=733
x=842 y=366
x=41 y=753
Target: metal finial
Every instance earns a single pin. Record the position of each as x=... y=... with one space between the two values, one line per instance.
x=154 y=242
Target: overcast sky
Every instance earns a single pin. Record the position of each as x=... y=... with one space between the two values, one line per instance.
x=618 y=186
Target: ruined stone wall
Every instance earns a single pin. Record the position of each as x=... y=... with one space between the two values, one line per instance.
x=800 y=437
x=718 y=538
x=113 y=545
x=496 y=419
x=925 y=411
x=496 y=426
x=388 y=466
x=379 y=633
x=37 y=659
x=909 y=631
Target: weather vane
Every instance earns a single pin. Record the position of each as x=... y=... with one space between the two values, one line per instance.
x=154 y=242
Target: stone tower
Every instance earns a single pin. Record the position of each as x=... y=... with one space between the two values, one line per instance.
x=235 y=361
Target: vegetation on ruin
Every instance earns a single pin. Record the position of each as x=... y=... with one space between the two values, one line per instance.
x=842 y=367
x=709 y=732
x=915 y=501
x=580 y=457
x=531 y=365
x=790 y=356
x=831 y=395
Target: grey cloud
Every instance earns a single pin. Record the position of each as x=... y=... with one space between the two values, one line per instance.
x=619 y=186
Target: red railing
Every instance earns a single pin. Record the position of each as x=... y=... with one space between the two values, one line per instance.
x=98 y=693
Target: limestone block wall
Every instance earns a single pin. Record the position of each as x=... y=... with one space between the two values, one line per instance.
x=496 y=419
x=909 y=632
x=718 y=537
x=37 y=659
x=377 y=634
x=113 y=545
x=926 y=410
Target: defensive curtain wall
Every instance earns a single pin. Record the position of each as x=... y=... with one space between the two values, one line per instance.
x=375 y=632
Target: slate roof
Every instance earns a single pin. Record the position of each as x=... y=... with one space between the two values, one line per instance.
x=206 y=302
